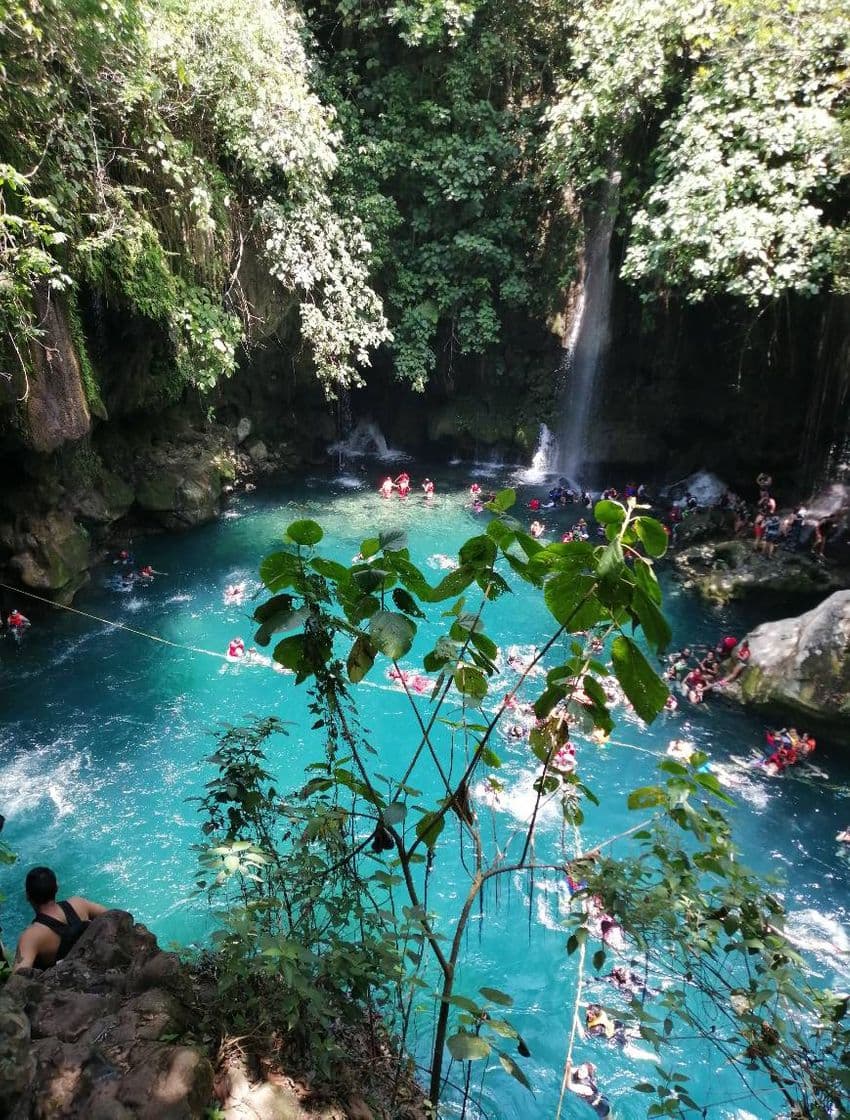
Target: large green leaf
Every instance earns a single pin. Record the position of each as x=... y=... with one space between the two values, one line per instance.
x=360 y=659
x=652 y=534
x=281 y=620
x=609 y=513
x=453 y=584
x=393 y=540
x=565 y=594
x=429 y=827
x=641 y=684
x=478 y=552
x=465 y=1047
x=510 y=1066
x=392 y=633
x=502 y=501
x=304 y=532
x=652 y=621
x=405 y=602
x=495 y=995
x=471 y=682
x=279 y=570
x=330 y=569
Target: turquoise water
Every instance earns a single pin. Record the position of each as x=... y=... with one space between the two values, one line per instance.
x=104 y=734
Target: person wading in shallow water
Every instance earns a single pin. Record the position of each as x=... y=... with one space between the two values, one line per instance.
x=57 y=926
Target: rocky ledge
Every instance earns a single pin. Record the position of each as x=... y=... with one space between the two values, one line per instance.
x=97 y=1037
x=802 y=665
x=116 y=1032
x=170 y=474
x=721 y=571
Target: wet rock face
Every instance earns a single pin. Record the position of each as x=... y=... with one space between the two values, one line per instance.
x=731 y=569
x=98 y=1036
x=803 y=664
x=50 y=554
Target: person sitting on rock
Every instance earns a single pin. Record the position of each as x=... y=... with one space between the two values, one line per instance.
x=742 y=655
x=57 y=926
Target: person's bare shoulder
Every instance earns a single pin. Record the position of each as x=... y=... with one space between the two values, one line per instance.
x=30 y=944
x=85 y=908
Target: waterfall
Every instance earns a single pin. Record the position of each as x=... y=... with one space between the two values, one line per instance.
x=543 y=461
x=587 y=344
x=366 y=438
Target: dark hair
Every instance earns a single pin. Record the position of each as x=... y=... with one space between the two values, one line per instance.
x=41 y=885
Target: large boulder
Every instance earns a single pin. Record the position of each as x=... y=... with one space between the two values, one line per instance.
x=802 y=664
x=51 y=554
x=102 y=1034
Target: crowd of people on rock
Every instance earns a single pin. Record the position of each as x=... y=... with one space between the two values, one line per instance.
x=697 y=675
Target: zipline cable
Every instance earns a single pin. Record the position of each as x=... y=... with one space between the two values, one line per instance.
x=115 y=625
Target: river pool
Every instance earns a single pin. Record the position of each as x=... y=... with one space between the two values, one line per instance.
x=104 y=735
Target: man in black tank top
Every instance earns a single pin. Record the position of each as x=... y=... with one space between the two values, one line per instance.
x=57 y=926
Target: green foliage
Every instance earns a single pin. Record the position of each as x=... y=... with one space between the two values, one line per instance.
x=744 y=106
x=441 y=158
x=356 y=852
x=301 y=948
x=159 y=142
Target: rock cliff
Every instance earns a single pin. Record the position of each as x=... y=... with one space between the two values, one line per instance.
x=802 y=664
x=100 y=1035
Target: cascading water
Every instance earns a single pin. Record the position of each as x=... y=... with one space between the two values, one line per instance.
x=587 y=344
x=366 y=438
x=543 y=461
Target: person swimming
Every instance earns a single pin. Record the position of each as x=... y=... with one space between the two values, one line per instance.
x=537 y=529
x=234 y=593
x=386 y=488
x=236 y=649
x=403 y=484
x=582 y=1082
x=428 y=488
x=475 y=492
x=17 y=622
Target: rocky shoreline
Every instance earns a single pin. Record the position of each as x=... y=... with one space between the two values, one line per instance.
x=174 y=475
x=119 y=1030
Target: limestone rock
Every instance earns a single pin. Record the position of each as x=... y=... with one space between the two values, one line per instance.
x=56 y=407
x=52 y=554
x=731 y=569
x=703 y=525
x=109 y=500
x=243 y=429
x=89 y=1038
x=802 y=664
x=258 y=451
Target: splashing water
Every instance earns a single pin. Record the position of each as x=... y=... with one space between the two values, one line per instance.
x=366 y=438
x=543 y=460
x=587 y=344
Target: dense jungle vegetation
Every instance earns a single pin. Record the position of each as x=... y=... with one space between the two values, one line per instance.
x=411 y=175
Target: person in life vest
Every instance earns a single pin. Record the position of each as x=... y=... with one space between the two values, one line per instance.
x=386 y=488
x=57 y=926
x=428 y=488
x=236 y=649
x=475 y=492
x=403 y=484
x=17 y=622
x=146 y=573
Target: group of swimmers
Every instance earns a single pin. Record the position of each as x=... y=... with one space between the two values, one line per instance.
x=402 y=485
x=787 y=747
x=130 y=574
x=718 y=667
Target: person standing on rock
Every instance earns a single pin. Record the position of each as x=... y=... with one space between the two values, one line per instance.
x=57 y=926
